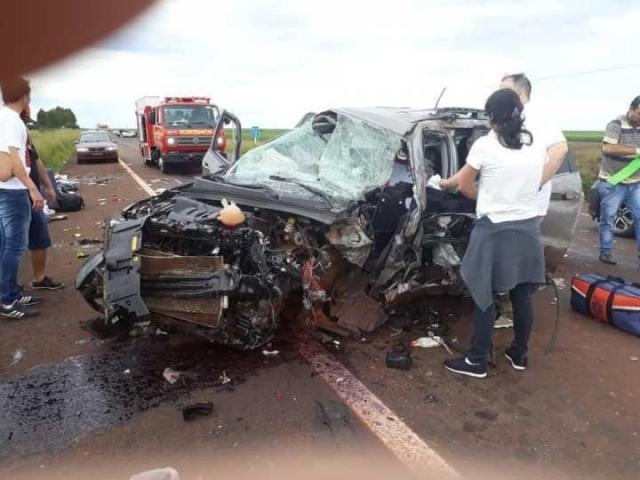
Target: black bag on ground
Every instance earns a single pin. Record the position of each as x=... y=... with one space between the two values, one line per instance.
x=67 y=200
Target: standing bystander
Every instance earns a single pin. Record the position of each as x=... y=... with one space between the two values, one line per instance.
x=39 y=236
x=15 y=193
x=620 y=177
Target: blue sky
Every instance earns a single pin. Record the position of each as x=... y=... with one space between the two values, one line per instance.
x=271 y=61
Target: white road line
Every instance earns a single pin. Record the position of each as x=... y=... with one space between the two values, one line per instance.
x=144 y=185
x=403 y=442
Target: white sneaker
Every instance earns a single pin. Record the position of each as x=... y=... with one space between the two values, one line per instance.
x=503 y=322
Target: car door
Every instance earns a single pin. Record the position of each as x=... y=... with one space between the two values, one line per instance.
x=228 y=131
x=559 y=225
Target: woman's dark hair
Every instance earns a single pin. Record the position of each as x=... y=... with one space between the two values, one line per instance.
x=505 y=111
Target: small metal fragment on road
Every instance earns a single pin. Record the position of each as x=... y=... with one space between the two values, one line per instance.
x=270 y=353
x=634 y=359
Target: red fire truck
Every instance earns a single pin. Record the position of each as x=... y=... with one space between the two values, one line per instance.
x=176 y=131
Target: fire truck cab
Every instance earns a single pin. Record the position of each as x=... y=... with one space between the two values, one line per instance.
x=176 y=132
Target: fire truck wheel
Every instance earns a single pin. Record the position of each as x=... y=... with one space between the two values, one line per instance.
x=164 y=168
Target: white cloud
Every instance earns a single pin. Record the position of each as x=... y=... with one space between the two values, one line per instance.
x=272 y=61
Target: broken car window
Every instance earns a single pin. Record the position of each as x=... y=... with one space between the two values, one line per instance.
x=354 y=158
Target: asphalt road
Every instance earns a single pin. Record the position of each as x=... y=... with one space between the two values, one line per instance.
x=73 y=404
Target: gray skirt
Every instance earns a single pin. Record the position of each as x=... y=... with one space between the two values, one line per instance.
x=501 y=256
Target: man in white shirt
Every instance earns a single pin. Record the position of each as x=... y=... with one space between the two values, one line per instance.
x=18 y=195
x=543 y=129
x=544 y=132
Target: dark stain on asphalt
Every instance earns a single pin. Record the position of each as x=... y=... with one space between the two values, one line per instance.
x=55 y=405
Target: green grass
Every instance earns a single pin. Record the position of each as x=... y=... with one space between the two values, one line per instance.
x=266 y=135
x=55 y=147
x=584 y=135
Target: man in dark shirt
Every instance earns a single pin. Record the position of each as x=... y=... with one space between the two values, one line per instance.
x=39 y=237
x=620 y=145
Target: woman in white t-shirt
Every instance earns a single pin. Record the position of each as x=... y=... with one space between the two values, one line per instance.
x=505 y=252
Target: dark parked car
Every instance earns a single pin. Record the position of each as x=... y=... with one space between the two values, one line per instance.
x=623 y=223
x=96 y=146
x=338 y=225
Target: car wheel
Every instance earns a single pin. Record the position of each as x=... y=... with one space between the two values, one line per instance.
x=623 y=223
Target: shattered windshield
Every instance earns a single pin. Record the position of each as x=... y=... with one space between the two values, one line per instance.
x=343 y=164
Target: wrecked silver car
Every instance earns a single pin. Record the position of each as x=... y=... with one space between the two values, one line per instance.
x=333 y=221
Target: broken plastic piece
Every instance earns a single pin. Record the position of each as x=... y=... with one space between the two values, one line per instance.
x=230 y=215
x=166 y=473
x=81 y=253
x=270 y=353
x=224 y=379
x=425 y=342
x=171 y=376
x=195 y=410
x=18 y=355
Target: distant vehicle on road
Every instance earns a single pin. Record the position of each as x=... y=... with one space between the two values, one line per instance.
x=176 y=131
x=623 y=223
x=94 y=145
x=128 y=133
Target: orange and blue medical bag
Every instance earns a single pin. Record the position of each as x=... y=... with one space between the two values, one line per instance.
x=609 y=299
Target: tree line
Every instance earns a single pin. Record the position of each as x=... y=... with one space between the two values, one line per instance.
x=58 y=117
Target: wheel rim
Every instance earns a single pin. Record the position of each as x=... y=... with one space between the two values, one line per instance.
x=623 y=221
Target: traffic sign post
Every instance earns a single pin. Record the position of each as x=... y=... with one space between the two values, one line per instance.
x=255 y=134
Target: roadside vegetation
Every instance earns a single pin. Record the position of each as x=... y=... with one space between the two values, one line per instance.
x=266 y=136
x=55 y=147
x=584 y=135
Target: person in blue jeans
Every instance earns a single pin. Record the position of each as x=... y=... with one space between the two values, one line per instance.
x=18 y=196
x=620 y=145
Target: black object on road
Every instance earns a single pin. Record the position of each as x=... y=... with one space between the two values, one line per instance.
x=195 y=410
x=399 y=357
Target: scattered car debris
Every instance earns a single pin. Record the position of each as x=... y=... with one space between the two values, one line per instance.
x=560 y=283
x=270 y=353
x=18 y=355
x=77 y=235
x=58 y=217
x=80 y=253
x=166 y=473
x=127 y=371
x=89 y=241
x=171 y=376
x=195 y=410
x=634 y=359
x=399 y=357
x=335 y=416
x=431 y=399
x=425 y=342
x=224 y=379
